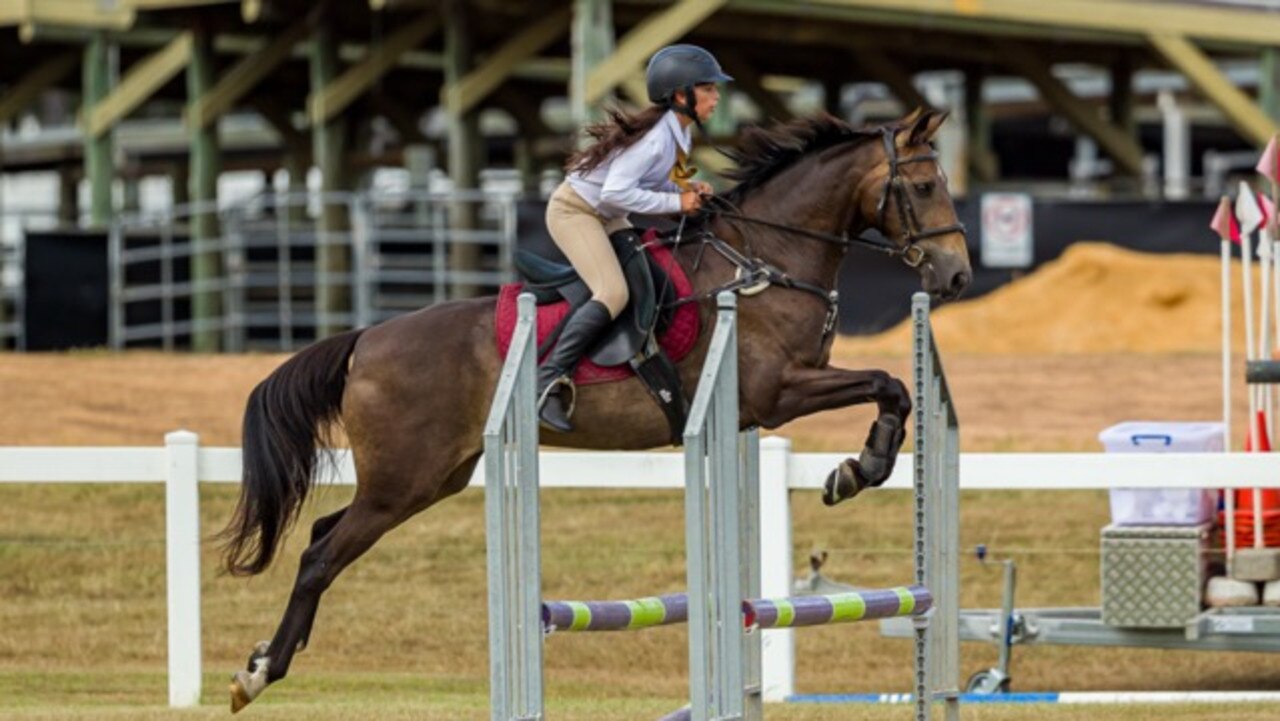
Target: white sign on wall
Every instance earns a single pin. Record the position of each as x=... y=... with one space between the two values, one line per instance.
x=1007 y=239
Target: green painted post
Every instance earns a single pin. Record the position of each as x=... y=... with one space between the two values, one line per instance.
x=592 y=38
x=982 y=160
x=206 y=261
x=97 y=150
x=1120 y=103
x=1269 y=82
x=333 y=256
x=465 y=149
x=68 y=192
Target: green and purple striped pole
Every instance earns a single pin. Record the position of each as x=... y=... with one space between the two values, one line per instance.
x=837 y=608
x=759 y=613
x=615 y=615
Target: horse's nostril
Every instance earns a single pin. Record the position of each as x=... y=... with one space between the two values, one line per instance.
x=959 y=282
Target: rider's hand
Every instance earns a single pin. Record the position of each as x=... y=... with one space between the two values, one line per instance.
x=690 y=201
x=702 y=188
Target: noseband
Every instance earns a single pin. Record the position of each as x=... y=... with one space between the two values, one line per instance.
x=912 y=230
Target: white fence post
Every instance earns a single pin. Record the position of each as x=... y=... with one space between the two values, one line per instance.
x=182 y=566
x=778 y=654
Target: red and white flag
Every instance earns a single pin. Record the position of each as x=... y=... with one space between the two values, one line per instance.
x=1224 y=222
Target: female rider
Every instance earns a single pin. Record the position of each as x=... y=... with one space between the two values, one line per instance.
x=638 y=164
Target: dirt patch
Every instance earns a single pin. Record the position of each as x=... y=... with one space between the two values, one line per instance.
x=1014 y=402
x=1095 y=298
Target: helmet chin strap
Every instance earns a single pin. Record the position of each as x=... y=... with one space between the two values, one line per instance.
x=689 y=107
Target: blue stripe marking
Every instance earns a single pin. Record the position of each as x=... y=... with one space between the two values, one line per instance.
x=967 y=698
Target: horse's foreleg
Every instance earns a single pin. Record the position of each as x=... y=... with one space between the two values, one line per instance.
x=809 y=390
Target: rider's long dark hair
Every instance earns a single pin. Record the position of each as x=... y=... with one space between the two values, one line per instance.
x=620 y=130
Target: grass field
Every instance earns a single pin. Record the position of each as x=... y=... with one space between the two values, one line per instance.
x=402 y=633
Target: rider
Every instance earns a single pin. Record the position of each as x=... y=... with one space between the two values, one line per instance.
x=638 y=164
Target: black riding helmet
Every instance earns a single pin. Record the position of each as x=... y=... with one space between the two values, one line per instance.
x=680 y=67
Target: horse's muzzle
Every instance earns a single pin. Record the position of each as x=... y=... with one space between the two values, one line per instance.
x=945 y=283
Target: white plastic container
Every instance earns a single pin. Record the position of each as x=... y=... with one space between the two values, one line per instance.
x=1163 y=507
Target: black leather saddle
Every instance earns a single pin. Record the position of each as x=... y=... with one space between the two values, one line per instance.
x=648 y=285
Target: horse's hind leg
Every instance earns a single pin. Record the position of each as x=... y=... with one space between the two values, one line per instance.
x=337 y=540
x=353 y=532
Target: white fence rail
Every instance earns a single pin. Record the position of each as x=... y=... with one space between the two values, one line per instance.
x=182 y=465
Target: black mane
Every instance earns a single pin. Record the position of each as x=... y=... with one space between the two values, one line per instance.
x=764 y=152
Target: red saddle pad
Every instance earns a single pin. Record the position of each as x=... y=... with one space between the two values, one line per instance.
x=677 y=341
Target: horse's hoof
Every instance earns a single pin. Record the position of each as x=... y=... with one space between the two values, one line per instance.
x=845 y=482
x=247 y=684
x=239 y=692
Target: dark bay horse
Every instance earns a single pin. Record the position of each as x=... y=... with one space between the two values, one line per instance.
x=413 y=392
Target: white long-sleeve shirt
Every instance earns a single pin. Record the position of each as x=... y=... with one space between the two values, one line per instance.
x=638 y=178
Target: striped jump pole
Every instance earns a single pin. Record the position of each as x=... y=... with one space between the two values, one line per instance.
x=761 y=613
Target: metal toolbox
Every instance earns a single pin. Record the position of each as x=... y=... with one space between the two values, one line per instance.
x=1153 y=576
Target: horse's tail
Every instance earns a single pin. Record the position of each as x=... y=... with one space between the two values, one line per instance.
x=286 y=421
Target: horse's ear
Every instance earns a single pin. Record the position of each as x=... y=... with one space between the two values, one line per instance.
x=910 y=118
x=924 y=126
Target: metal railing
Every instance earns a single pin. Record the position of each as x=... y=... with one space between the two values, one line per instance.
x=722 y=511
x=294 y=267
x=936 y=475
x=512 y=530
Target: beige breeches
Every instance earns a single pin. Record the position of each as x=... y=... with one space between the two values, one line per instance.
x=583 y=236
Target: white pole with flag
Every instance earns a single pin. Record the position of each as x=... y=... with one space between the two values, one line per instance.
x=1249 y=216
x=1224 y=224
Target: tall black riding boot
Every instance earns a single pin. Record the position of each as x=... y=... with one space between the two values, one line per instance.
x=555 y=387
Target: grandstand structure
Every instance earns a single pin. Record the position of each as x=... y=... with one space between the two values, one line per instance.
x=110 y=97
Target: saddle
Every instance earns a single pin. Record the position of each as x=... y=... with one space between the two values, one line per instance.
x=645 y=339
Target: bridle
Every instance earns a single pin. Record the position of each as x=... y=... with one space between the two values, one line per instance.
x=754 y=275
x=913 y=231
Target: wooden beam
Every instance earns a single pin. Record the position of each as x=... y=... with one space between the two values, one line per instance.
x=173 y=4
x=244 y=76
x=21 y=95
x=326 y=102
x=1121 y=147
x=12 y=12
x=1248 y=119
x=879 y=67
x=480 y=82
x=91 y=14
x=748 y=80
x=1132 y=17
x=143 y=79
x=646 y=38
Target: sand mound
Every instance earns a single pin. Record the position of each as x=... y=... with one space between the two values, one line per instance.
x=1095 y=298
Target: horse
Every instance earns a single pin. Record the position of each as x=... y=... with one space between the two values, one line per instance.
x=412 y=393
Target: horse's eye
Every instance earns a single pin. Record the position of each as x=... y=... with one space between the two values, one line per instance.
x=924 y=188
